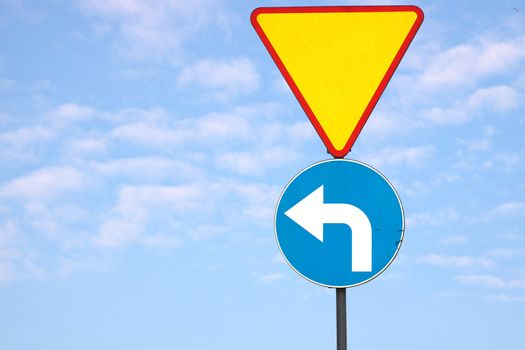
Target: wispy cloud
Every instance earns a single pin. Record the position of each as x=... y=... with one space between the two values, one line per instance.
x=256 y=162
x=439 y=217
x=388 y=121
x=7 y=272
x=152 y=195
x=505 y=209
x=414 y=189
x=491 y=281
x=453 y=240
x=456 y=261
x=259 y=201
x=505 y=298
x=506 y=253
x=22 y=143
x=471 y=62
x=270 y=278
x=137 y=206
x=70 y=265
x=451 y=86
x=152 y=168
x=155 y=29
x=209 y=129
x=44 y=183
x=222 y=79
x=70 y=113
x=406 y=156
x=500 y=99
x=26 y=135
x=447 y=115
x=16 y=258
x=86 y=146
x=476 y=145
x=196 y=210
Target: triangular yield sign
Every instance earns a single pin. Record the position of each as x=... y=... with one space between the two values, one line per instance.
x=337 y=60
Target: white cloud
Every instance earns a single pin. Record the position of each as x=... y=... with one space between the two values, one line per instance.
x=401 y=156
x=208 y=129
x=477 y=161
x=505 y=298
x=206 y=231
x=476 y=145
x=152 y=168
x=116 y=232
x=496 y=99
x=259 y=199
x=446 y=116
x=240 y=162
x=414 y=189
x=70 y=112
x=278 y=259
x=67 y=265
x=86 y=146
x=296 y=133
x=16 y=259
x=235 y=124
x=469 y=63
x=500 y=99
x=491 y=281
x=149 y=135
x=440 y=217
x=385 y=122
x=154 y=114
x=27 y=135
x=179 y=198
x=44 y=183
x=455 y=261
x=154 y=29
x=198 y=210
x=8 y=234
x=224 y=79
x=445 y=294
x=453 y=76
x=8 y=84
x=62 y=224
x=453 y=240
x=258 y=130
x=139 y=205
x=447 y=177
x=9 y=253
x=507 y=208
x=505 y=253
x=504 y=161
x=163 y=241
x=256 y=162
x=270 y=278
x=7 y=272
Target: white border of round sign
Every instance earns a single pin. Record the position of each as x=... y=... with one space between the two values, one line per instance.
x=402 y=221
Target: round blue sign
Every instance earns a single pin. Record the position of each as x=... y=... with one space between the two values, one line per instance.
x=339 y=223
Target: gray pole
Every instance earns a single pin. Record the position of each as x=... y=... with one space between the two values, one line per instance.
x=340 y=299
x=340 y=310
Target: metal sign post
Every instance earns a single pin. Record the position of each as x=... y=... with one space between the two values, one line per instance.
x=340 y=299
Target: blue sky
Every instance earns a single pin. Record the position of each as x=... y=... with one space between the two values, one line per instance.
x=144 y=145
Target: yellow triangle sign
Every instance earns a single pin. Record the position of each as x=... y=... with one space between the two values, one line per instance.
x=337 y=60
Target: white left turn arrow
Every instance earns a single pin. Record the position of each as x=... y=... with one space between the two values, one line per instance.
x=311 y=213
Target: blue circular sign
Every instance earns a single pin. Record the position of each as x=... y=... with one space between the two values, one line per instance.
x=339 y=223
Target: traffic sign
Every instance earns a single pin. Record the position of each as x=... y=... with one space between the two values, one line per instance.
x=339 y=223
x=337 y=60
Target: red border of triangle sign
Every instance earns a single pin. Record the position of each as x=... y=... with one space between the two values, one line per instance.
x=341 y=152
